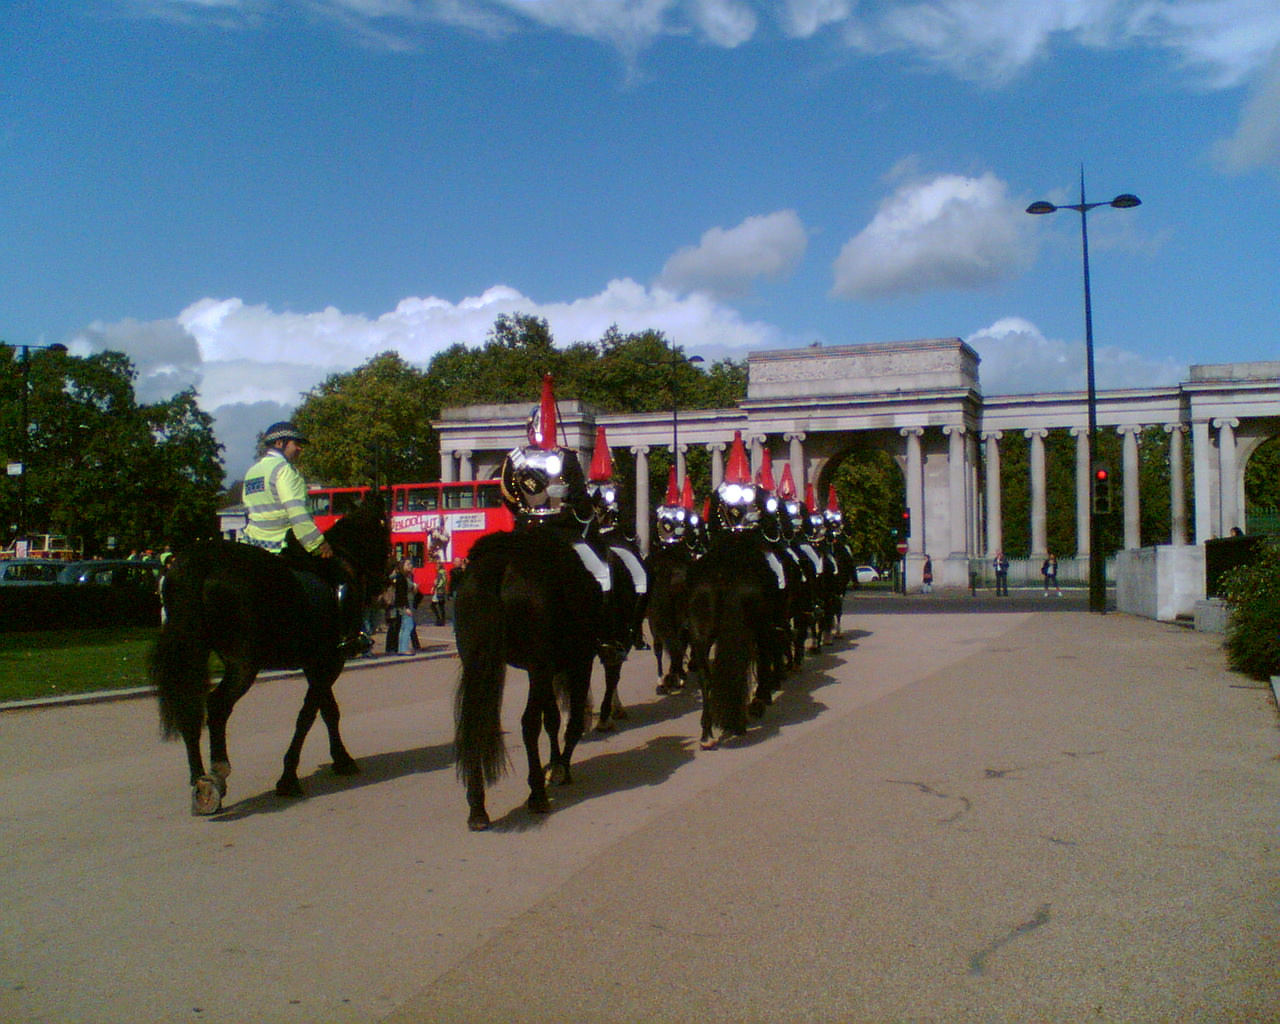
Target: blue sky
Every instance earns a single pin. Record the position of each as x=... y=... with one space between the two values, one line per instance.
x=249 y=195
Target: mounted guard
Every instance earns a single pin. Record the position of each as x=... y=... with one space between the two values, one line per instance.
x=275 y=499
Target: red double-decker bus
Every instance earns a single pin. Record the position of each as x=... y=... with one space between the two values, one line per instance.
x=431 y=524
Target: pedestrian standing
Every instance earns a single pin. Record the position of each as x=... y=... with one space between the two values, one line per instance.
x=404 y=588
x=927 y=577
x=1050 y=572
x=1001 y=566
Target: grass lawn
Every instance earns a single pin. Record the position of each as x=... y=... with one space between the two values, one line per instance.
x=57 y=662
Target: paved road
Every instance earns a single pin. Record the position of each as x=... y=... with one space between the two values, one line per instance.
x=1027 y=814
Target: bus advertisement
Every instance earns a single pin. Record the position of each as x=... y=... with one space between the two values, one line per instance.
x=432 y=524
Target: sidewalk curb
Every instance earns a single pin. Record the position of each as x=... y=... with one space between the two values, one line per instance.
x=429 y=652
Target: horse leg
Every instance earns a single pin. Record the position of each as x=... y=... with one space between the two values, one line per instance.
x=209 y=789
x=579 y=688
x=343 y=762
x=477 y=816
x=541 y=705
x=612 y=673
x=288 y=784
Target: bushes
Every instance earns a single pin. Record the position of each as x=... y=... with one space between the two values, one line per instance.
x=1252 y=593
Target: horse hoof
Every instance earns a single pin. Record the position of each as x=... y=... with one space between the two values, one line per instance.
x=478 y=822
x=606 y=727
x=709 y=743
x=558 y=775
x=289 y=787
x=620 y=713
x=756 y=708
x=539 y=803
x=206 y=795
x=348 y=767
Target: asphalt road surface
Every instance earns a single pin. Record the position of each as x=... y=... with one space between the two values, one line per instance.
x=965 y=811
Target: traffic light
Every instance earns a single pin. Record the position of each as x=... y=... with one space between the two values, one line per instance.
x=906 y=522
x=1101 y=490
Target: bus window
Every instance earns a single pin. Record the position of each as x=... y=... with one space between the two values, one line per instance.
x=413 y=550
x=462 y=496
x=422 y=499
x=489 y=496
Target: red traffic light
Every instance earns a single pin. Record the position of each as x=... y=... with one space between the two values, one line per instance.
x=1101 y=474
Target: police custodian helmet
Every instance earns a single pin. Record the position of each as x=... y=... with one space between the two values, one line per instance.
x=283 y=431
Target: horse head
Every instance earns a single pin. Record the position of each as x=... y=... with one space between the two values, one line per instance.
x=362 y=541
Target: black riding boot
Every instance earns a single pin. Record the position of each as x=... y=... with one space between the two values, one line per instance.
x=355 y=641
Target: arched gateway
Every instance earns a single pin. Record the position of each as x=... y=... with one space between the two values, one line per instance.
x=921 y=401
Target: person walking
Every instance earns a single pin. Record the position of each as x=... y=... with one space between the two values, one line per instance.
x=1001 y=566
x=402 y=605
x=439 y=594
x=926 y=577
x=1050 y=572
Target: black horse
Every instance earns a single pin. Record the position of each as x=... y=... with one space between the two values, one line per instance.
x=668 y=612
x=528 y=601
x=257 y=613
x=737 y=633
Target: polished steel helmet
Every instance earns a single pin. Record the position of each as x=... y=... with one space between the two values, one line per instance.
x=539 y=483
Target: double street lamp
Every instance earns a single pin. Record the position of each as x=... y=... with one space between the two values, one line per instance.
x=19 y=469
x=1097 y=561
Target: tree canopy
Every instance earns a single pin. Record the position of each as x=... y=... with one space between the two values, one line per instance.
x=100 y=465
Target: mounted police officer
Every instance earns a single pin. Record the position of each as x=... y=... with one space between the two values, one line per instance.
x=275 y=499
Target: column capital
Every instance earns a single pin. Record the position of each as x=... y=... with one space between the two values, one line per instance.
x=461 y=453
x=1078 y=431
x=641 y=449
x=911 y=431
x=1225 y=421
x=1130 y=428
x=1175 y=428
x=992 y=435
x=1040 y=432
x=955 y=428
x=795 y=435
x=717 y=446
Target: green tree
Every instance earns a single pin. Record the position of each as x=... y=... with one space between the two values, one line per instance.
x=101 y=466
x=870 y=487
x=378 y=415
x=1262 y=476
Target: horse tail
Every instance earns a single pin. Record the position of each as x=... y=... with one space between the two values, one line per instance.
x=179 y=662
x=730 y=683
x=477 y=702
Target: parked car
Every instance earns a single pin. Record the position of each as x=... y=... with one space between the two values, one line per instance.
x=866 y=574
x=23 y=572
x=86 y=594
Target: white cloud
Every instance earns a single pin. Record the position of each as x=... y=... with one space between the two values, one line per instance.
x=1018 y=359
x=946 y=232
x=251 y=362
x=726 y=261
x=1256 y=142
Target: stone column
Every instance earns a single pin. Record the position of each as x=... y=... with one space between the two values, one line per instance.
x=796 y=458
x=641 y=452
x=1201 y=455
x=995 y=526
x=1228 y=488
x=1083 y=522
x=957 y=508
x=756 y=443
x=915 y=489
x=1177 y=485
x=972 y=499
x=717 y=450
x=1132 y=506
x=465 y=470
x=1039 y=505
x=448 y=468
x=679 y=456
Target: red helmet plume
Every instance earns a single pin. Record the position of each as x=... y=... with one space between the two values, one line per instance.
x=686 y=496
x=601 y=460
x=787 y=486
x=765 y=477
x=739 y=470
x=542 y=428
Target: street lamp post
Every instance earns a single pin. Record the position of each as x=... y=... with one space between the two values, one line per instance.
x=24 y=449
x=1097 y=562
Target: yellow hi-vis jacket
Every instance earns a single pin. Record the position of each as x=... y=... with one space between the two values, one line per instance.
x=275 y=499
